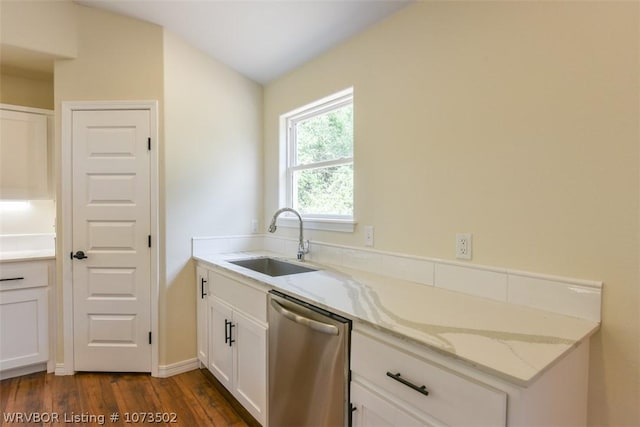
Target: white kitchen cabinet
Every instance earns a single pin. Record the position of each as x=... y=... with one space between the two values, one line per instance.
x=220 y=350
x=457 y=393
x=238 y=341
x=430 y=389
x=24 y=317
x=202 y=290
x=250 y=365
x=25 y=165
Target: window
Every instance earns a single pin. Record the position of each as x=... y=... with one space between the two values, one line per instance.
x=319 y=167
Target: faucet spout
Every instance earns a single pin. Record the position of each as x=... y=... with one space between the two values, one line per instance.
x=303 y=247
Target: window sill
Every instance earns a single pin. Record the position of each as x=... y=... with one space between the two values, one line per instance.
x=324 y=224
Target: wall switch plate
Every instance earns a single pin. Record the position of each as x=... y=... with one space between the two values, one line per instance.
x=463 y=245
x=368 y=235
x=254 y=226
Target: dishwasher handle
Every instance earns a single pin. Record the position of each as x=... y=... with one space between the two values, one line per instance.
x=325 y=328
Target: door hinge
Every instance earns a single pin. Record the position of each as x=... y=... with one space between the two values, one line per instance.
x=149 y=337
x=149 y=143
x=149 y=240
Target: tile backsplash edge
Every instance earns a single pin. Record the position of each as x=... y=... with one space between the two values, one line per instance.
x=563 y=295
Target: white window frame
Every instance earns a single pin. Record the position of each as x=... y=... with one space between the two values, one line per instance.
x=345 y=223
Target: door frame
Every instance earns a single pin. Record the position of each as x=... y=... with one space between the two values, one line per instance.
x=66 y=204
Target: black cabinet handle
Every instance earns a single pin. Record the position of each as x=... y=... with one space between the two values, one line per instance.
x=420 y=389
x=226 y=331
x=11 y=278
x=231 y=340
x=202 y=292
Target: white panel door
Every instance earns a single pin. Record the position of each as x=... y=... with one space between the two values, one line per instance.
x=111 y=225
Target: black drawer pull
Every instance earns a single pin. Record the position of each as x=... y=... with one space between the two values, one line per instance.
x=202 y=292
x=11 y=278
x=420 y=389
x=227 y=336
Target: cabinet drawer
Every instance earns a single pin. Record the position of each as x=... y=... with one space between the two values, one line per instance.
x=451 y=398
x=245 y=298
x=19 y=275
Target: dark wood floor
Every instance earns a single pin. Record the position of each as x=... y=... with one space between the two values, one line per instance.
x=193 y=397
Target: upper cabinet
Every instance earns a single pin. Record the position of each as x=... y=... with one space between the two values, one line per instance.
x=25 y=167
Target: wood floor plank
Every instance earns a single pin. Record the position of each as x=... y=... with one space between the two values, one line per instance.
x=94 y=398
x=192 y=396
x=65 y=394
x=26 y=395
x=201 y=396
x=47 y=394
x=166 y=389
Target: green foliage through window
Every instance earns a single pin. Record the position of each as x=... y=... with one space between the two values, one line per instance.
x=325 y=137
x=325 y=191
x=320 y=167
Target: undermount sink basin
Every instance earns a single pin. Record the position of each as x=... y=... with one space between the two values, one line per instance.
x=271 y=266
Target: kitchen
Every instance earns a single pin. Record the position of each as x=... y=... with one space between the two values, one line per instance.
x=535 y=103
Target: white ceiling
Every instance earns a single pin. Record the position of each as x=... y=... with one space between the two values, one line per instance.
x=262 y=39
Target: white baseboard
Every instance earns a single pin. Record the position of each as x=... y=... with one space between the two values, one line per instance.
x=172 y=369
x=61 y=370
x=164 y=371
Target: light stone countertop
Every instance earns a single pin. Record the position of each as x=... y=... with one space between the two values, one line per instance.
x=28 y=255
x=512 y=342
x=27 y=247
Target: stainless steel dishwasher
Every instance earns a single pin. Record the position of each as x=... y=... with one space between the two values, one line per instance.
x=308 y=364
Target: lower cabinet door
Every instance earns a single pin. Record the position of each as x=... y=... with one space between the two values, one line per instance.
x=202 y=315
x=24 y=327
x=372 y=410
x=220 y=348
x=250 y=365
x=238 y=356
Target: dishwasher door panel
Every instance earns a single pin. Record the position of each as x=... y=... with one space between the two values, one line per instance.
x=308 y=366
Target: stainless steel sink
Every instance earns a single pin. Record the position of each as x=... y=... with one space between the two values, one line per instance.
x=271 y=266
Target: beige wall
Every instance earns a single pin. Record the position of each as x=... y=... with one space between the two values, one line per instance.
x=119 y=58
x=517 y=122
x=213 y=165
x=27 y=91
x=39 y=26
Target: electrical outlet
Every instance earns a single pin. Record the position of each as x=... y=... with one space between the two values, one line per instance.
x=463 y=245
x=254 y=226
x=368 y=235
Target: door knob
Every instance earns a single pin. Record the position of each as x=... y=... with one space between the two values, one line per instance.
x=78 y=255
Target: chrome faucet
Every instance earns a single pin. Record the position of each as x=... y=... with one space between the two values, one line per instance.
x=303 y=246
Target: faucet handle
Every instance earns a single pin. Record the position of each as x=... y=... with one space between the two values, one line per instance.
x=303 y=248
